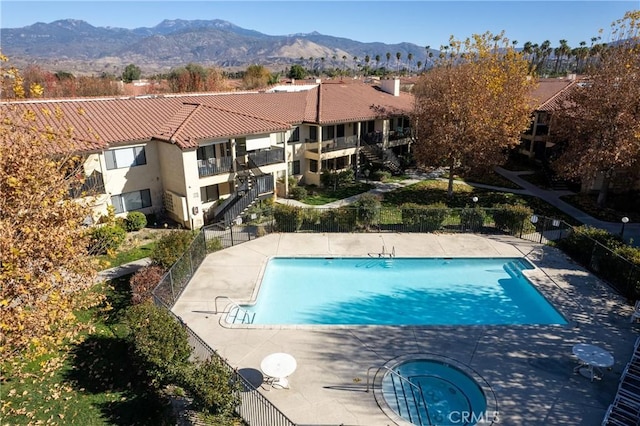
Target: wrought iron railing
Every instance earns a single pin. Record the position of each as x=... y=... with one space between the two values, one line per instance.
x=215 y=166
x=271 y=156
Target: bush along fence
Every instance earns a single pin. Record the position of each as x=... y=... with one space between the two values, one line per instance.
x=587 y=246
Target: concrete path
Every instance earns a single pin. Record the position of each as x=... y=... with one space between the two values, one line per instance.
x=122 y=270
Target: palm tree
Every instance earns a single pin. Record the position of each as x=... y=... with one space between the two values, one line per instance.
x=377 y=58
x=560 y=52
x=388 y=55
x=322 y=62
x=418 y=66
x=409 y=61
x=344 y=63
x=398 y=56
x=367 y=58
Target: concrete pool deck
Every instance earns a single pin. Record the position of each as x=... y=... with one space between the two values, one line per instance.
x=530 y=368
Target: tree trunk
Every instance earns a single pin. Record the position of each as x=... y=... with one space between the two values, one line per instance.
x=604 y=189
x=451 y=170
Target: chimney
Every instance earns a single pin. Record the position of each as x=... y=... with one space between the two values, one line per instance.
x=391 y=86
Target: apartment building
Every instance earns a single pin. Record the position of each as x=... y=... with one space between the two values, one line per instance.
x=202 y=158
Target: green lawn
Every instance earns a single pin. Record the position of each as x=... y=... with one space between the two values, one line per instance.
x=89 y=382
x=320 y=196
x=127 y=256
x=435 y=191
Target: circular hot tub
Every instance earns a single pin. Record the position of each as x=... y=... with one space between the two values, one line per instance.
x=434 y=390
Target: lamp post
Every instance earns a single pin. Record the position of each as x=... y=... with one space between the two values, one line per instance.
x=475 y=201
x=624 y=220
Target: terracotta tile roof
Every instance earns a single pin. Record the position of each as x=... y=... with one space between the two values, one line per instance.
x=358 y=102
x=547 y=90
x=195 y=122
x=186 y=119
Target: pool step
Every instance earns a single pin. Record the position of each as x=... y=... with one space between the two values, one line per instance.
x=513 y=268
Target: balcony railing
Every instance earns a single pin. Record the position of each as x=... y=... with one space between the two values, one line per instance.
x=215 y=166
x=271 y=156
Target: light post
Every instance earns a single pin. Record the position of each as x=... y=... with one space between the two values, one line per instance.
x=624 y=220
x=475 y=201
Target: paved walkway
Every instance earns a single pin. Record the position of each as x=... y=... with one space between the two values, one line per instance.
x=122 y=270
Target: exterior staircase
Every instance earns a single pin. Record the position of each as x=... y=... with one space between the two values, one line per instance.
x=250 y=188
x=383 y=157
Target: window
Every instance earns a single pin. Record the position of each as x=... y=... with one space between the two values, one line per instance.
x=126 y=157
x=209 y=193
x=206 y=152
x=130 y=201
x=313 y=133
x=340 y=130
x=327 y=133
x=294 y=167
x=295 y=136
x=313 y=166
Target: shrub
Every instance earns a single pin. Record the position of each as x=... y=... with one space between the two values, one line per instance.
x=287 y=218
x=511 y=217
x=311 y=218
x=143 y=282
x=581 y=242
x=158 y=342
x=472 y=218
x=170 y=247
x=381 y=175
x=135 y=221
x=298 y=193
x=106 y=238
x=429 y=218
x=214 y=244
x=211 y=386
x=368 y=206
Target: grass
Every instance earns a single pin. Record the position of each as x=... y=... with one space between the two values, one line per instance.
x=435 y=191
x=88 y=382
x=127 y=256
x=321 y=196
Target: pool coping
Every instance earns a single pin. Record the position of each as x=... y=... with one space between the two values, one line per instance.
x=530 y=368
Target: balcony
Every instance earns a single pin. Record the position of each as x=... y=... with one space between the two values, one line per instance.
x=337 y=144
x=215 y=166
x=264 y=158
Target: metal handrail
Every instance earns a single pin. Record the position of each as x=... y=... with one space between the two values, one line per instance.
x=426 y=408
x=237 y=306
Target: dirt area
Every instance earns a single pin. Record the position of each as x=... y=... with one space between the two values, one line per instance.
x=142 y=237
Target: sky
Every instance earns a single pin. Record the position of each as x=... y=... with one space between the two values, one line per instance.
x=418 y=21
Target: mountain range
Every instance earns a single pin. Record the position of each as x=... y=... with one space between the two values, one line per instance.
x=78 y=47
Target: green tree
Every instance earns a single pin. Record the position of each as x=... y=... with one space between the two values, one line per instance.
x=598 y=124
x=473 y=106
x=297 y=71
x=130 y=73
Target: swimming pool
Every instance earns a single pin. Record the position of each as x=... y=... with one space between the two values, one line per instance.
x=397 y=291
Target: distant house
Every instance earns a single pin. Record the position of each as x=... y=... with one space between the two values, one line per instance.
x=203 y=158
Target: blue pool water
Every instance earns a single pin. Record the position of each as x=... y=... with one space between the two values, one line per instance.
x=430 y=392
x=398 y=291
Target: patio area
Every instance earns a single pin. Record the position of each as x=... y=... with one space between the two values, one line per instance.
x=530 y=368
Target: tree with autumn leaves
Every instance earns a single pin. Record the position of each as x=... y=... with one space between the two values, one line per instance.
x=597 y=127
x=44 y=267
x=472 y=106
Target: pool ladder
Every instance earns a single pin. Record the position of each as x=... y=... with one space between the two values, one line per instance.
x=235 y=311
